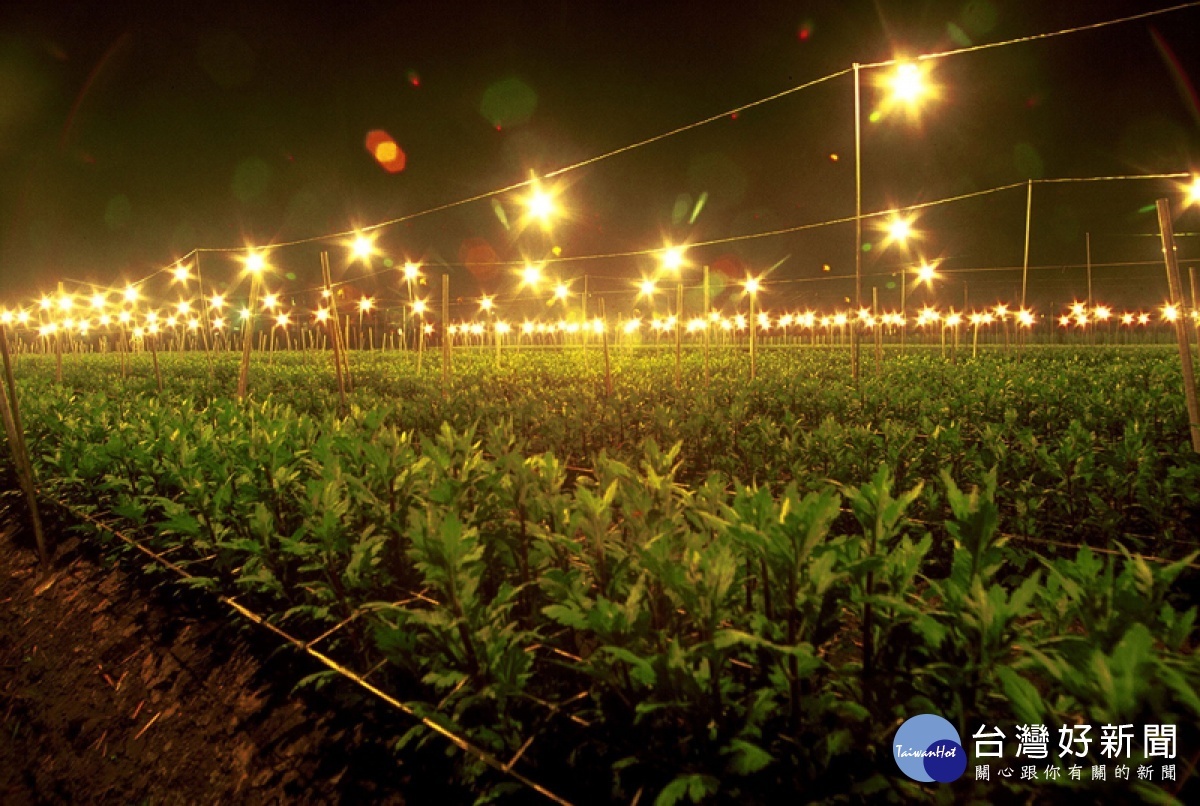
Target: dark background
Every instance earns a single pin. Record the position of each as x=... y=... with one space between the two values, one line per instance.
x=130 y=135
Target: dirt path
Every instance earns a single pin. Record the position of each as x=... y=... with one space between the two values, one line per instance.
x=112 y=691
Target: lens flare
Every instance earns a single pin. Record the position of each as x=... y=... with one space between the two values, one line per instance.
x=386 y=151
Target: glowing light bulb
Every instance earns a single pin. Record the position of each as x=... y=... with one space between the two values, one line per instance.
x=531 y=276
x=363 y=247
x=899 y=229
x=672 y=258
x=907 y=83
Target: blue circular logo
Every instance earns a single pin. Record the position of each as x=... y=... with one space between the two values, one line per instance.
x=927 y=748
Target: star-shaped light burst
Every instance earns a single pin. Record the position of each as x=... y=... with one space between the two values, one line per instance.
x=672 y=258
x=362 y=247
x=531 y=276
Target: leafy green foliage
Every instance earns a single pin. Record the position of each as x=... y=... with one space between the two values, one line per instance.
x=748 y=611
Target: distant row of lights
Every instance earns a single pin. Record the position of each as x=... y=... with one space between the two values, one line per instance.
x=152 y=323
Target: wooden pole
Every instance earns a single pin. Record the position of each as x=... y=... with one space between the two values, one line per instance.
x=878 y=329
x=123 y=348
x=1028 y=220
x=679 y=334
x=1195 y=319
x=332 y=328
x=604 y=336
x=247 y=339
x=206 y=322
x=58 y=375
x=445 y=333
x=11 y=409
x=583 y=302
x=335 y=336
x=707 y=326
x=1091 y=307
x=903 y=309
x=1170 y=256
x=753 y=335
x=154 y=357
x=857 y=226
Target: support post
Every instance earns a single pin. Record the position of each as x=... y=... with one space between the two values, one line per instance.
x=445 y=333
x=857 y=226
x=1170 y=256
x=11 y=410
x=332 y=328
x=679 y=333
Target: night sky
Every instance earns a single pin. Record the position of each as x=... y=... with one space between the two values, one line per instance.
x=131 y=135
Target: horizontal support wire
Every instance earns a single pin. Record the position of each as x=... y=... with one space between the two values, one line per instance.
x=711 y=119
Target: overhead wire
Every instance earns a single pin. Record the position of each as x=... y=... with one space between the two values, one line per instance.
x=697 y=124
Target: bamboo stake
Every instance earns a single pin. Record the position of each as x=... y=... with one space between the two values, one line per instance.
x=154 y=355
x=1091 y=308
x=331 y=327
x=1170 y=256
x=11 y=409
x=679 y=334
x=445 y=333
x=336 y=331
x=247 y=339
x=206 y=321
x=707 y=337
x=753 y=336
x=607 y=365
x=1195 y=319
x=878 y=330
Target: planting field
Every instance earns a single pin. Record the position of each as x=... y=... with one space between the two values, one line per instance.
x=735 y=588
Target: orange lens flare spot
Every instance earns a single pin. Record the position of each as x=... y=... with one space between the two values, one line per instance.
x=386 y=151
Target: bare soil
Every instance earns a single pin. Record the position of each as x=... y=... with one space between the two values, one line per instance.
x=116 y=687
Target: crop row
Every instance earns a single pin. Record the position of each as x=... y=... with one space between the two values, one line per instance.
x=654 y=623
